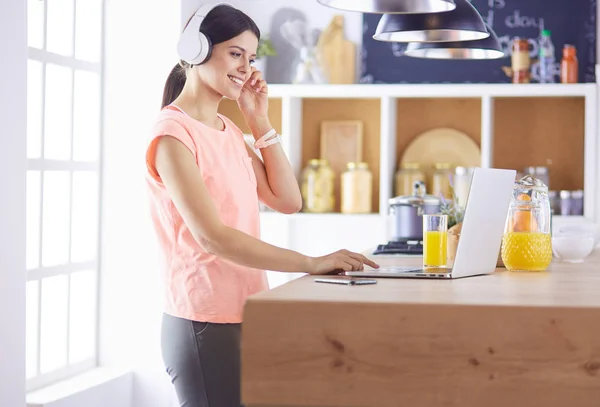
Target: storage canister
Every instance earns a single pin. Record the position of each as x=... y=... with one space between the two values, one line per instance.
x=356 y=188
x=317 y=187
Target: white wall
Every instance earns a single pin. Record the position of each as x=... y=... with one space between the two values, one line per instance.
x=140 y=52
x=318 y=16
x=262 y=11
x=13 y=165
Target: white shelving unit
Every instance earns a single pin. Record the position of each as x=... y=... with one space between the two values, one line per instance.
x=377 y=91
x=316 y=234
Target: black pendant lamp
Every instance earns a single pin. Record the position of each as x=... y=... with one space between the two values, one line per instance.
x=487 y=48
x=463 y=23
x=391 y=6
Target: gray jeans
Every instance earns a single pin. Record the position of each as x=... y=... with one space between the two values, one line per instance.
x=203 y=361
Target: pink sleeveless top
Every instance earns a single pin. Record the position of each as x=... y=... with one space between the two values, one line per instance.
x=197 y=285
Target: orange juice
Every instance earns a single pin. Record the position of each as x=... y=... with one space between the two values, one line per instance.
x=435 y=248
x=529 y=251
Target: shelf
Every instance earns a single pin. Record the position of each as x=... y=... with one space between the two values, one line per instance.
x=430 y=90
x=315 y=111
x=570 y=219
x=376 y=216
x=553 y=125
x=542 y=132
x=335 y=215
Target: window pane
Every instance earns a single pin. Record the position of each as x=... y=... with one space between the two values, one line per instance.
x=33 y=219
x=86 y=116
x=34 y=108
x=88 y=30
x=55 y=218
x=82 y=332
x=60 y=27
x=35 y=23
x=55 y=307
x=31 y=344
x=57 y=137
x=84 y=225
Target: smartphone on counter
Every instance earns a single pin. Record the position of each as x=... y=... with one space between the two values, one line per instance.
x=354 y=281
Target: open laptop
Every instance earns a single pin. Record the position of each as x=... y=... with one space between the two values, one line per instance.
x=481 y=236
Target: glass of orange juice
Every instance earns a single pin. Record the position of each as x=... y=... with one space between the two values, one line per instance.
x=435 y=240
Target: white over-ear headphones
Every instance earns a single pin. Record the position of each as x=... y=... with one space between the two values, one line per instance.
x=194 y=47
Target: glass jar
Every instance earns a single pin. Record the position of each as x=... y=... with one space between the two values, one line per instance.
x=441 y=180
x=577 y=203
x=565 y=203
x=406 y=176
x=527 y=240
x=356 y=188
x=317 y=187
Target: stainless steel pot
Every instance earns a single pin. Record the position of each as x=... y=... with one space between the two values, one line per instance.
x=407 y=213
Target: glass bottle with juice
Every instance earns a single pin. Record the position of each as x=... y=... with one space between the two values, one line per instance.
x=527 y=241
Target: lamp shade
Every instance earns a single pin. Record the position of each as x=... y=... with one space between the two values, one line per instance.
x=487 y=48
x=391 y=6
x=463 y=23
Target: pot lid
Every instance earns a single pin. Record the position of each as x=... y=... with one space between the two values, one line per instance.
x=418 y=198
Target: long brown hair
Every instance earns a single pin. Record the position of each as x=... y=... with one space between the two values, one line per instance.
x=221 y=24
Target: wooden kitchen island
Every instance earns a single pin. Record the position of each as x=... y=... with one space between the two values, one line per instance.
x=506 y=340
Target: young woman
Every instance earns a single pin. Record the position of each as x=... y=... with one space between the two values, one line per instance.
x=205 y=184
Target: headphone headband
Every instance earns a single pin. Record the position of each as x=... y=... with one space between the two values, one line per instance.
x=194 y=47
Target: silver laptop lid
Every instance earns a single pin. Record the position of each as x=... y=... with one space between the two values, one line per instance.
x=483 y=225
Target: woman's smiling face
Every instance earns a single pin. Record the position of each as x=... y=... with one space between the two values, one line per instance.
x=229 y=66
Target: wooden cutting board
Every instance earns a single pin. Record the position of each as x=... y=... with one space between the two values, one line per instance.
x=445 y=145
x=336 y=54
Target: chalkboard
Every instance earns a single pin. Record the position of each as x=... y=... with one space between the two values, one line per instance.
x=570 y=21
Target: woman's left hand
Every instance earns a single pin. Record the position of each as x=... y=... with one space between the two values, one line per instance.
x=254 y=101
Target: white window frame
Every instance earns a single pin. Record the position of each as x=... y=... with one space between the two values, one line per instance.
x=40 y=380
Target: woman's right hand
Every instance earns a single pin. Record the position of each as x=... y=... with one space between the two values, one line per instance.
x=338 y=262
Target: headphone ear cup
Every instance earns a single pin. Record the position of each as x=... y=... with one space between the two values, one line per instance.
x=189 y=46
x=206 y=48
x=194 y=47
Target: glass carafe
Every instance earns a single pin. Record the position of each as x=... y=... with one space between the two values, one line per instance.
x=527 y=241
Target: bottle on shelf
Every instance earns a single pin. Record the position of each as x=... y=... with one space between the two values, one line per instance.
x=520 y=61
x=356 y=188
x=441 y=180
x=569 y=66
x=577 y=202
x=570 y=203
x=406 y=176
x=462 y=184
x=317 y=187
x=547 y=59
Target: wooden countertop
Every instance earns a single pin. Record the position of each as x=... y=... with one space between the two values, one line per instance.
x=562 y=285
x=507 y=339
